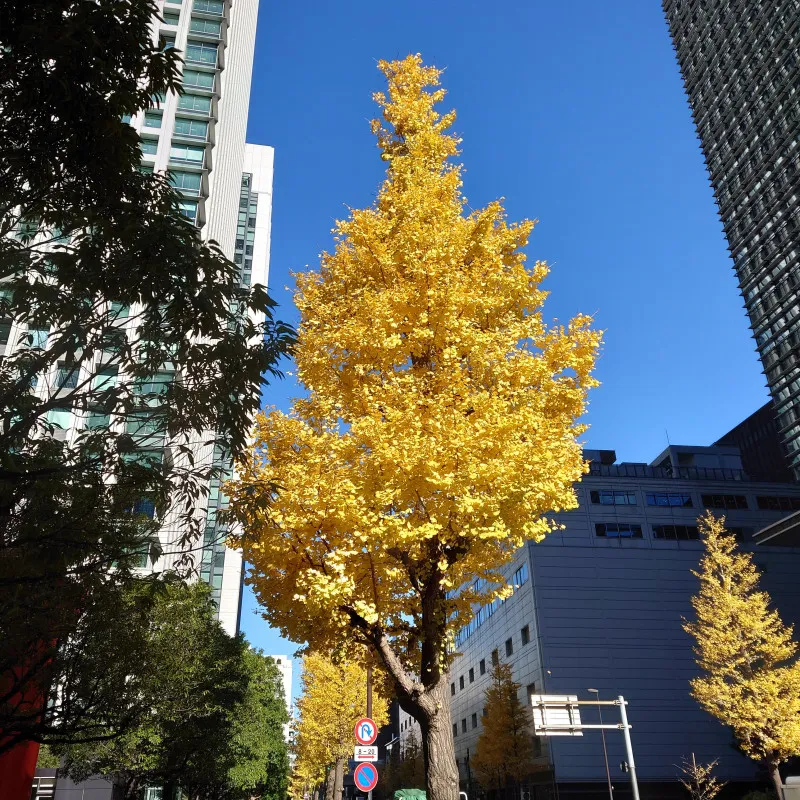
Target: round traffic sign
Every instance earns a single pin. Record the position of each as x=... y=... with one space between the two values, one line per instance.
x=366 y=731
x=365 y=777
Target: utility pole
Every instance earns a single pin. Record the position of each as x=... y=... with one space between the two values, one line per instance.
x=369 y=692
x=626 y=733
x=369 y=711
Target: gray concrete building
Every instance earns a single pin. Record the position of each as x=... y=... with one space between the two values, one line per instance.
x=600 y=605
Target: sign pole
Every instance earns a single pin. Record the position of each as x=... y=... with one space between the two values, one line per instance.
x=628 y=747
x=369 y=711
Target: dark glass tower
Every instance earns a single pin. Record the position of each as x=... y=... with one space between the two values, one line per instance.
x=741 y=69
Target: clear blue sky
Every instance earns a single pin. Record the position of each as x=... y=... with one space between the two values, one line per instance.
x=574 y=112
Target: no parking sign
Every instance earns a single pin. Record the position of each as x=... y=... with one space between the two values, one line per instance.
x=365 y=777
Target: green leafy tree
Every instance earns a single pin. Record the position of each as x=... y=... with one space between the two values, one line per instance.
x=189 y=678
x=261 y=765
x=504 y=755
x=115 y=318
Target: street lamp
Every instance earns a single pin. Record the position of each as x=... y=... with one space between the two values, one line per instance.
x=596 y=692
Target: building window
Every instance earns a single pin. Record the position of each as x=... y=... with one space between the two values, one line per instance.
x=105 y=378
x=199 y=103
x=520 y=576
x=188 y=208
x=482 y=666
x=149 y=147
x=152 y=119
x=144 y=505
x=209 y=27
x=474 y=721
x=196 y=128
x=531 y=690
x=471 y=675
x=193 y=154
x=461 y=682
x=198 y=79
x=208 y=6
x=726 y=501
x=186 y=181
x=201 y=52
x=67 y=377
x=452 y=689
x=773 y=503
x=525 y=634
x=674 y=499
x=509 y=647
x=60 y=417
x=683 y=533
x=618 y=530
x=463 y=725
x=171 y=18
x=495 y=657
x=608 y=498
x=455 y=730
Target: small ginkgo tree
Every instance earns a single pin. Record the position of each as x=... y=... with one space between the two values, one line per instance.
x=750 y=672
x=504 y=754
x=440 y=427
x=334 y=698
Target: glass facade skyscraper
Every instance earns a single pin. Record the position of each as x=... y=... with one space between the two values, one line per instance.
x=741 y=70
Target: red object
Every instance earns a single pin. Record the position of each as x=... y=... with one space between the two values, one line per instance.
x=366 y=731
x=18 y=765
x=365 y=777
x=16 y=771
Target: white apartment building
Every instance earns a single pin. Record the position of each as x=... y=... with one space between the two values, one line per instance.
x=284 y=665
x=227 y=188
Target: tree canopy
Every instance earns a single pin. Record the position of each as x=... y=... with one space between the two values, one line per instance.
x=132 y=354
x=333 y=699
x=440 y=427
x=750 y=671
x=205 y=712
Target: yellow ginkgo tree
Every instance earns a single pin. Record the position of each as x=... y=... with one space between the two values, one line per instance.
x=441 y=424
x=750 y=676
x=333 y=699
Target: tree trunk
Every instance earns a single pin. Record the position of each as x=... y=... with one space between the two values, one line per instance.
x=330 y=782
x=775 y=776
x=338 y=780
x=438 y=750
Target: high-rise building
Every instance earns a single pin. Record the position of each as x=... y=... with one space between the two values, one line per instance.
x=741 y=69
x=600 y=605
x=226 y=184
x=759 y=442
